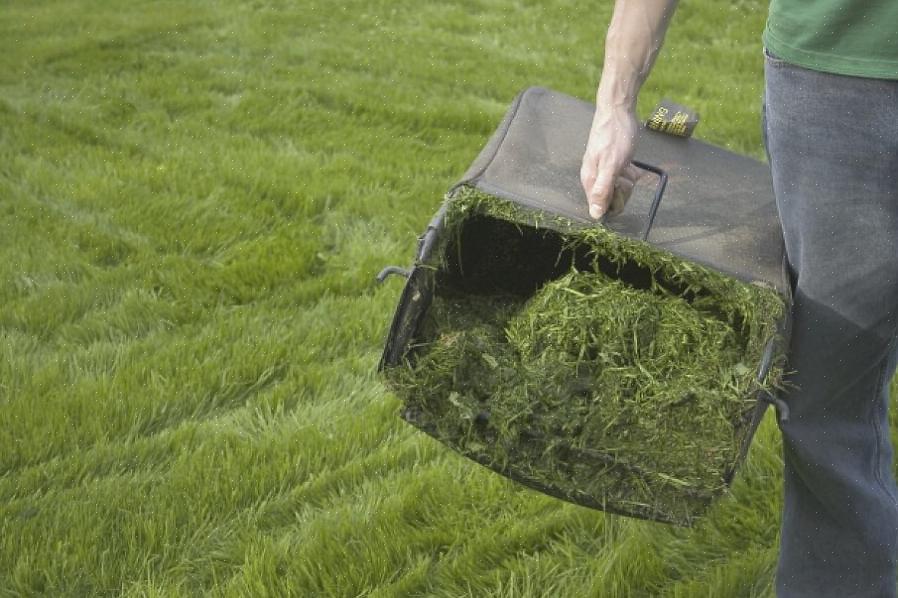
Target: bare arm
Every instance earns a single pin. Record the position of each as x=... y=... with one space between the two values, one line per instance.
x=634 y=40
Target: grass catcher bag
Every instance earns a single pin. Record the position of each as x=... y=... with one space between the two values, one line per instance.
x=622 y=366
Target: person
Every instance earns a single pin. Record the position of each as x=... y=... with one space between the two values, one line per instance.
x=830 y=128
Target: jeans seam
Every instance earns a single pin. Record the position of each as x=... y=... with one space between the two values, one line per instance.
x=880 y=380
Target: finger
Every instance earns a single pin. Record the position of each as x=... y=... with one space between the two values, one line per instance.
x=588 y=177
x=618 y=201
x=632 y=173
x=600 y=194
x=623 y=189
x=624 y=185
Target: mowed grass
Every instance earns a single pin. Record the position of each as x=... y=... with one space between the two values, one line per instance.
x=194 y=200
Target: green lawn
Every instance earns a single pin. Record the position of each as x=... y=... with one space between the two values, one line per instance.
x=194 y=200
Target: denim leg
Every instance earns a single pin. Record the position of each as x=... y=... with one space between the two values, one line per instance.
x=832 y=142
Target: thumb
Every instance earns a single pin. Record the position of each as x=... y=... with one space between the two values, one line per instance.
x=600 y=194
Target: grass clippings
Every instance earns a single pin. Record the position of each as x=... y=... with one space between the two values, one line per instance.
x=594 y=367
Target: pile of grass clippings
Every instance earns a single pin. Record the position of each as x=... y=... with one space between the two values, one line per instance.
x=594 y=367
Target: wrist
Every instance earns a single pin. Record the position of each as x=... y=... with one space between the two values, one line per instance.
x=616 y=94
x=620 y=83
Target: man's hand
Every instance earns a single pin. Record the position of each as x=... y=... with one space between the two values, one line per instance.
x=634 y=39
x=606 y=174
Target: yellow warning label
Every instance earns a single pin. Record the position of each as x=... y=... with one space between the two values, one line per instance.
x=673 y=119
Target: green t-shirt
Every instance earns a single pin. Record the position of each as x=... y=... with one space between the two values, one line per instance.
x=849 y=37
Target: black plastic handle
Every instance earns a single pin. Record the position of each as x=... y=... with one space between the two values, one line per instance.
x=392 y=270
x=659 y=193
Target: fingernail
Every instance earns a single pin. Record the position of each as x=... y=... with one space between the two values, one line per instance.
x=595 y=211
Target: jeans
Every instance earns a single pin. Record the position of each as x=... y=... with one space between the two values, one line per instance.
x=832 y=143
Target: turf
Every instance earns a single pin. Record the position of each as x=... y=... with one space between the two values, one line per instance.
x=194 y=200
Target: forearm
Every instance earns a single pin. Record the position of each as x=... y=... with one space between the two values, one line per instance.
x=634 y=39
